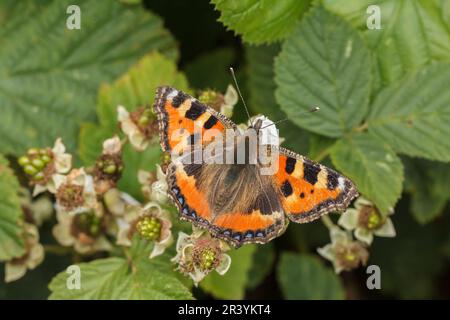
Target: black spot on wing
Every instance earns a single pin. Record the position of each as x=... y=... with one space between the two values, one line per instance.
x=179 y=99
x=310 y=171
x=332 y=180
x=212 y=120
x=286 y=188
x=290 y=165
x=195 y=111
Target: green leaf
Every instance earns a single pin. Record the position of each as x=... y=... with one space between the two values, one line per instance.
x=260 y=21
x=233 y=283
x=373 y=166
x=11 y=242
x=49 y=75
x=199 y=71
x=304 y=277
x=324 y=63
x=261 y=88
x=134 y=89
x=262 y=264
x=413 y=32
x=427 y=181
x=412 y=115
x=137 y=278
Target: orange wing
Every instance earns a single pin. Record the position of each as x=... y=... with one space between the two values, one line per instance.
x=181 y=118
x=309 y=190
x=237 y=228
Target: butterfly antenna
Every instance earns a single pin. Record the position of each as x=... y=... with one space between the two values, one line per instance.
x=239 y=91
x=285 y=119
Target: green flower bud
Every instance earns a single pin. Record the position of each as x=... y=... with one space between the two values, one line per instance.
x=23 y=160
x=144 y=120
x=38 y=176
x=46 y=158
x=38 y=163
x=30 y=170
x=33 y=151
x=110 y=169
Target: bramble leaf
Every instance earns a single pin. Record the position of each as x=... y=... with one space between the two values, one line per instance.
x=372 y=165
x=134 y=89
x=324 y=63
x=304 y=277
x=49 y=75
x=260 y=21
x=413 y=114
x=413 y=32
x=114 y=278
x=11 y=242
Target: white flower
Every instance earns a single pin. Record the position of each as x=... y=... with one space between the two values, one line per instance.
x=34 y=255
x=198 y=254
x=36 y=211
x=367 y=221
x=138 y=126
x=75 y=192
x=345 y=253
x=222 y=103
x=152 y=223
x=154 y=190
x=84 y=231
x=41 y=164
x=108 y=166
x=117 y=201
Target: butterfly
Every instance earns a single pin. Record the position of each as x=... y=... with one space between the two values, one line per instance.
x=236 y=202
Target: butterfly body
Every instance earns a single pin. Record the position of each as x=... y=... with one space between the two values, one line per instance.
x=228 y=192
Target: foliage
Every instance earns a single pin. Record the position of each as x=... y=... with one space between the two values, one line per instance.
x=49 y=75
x=383 y=122
x=11 y=243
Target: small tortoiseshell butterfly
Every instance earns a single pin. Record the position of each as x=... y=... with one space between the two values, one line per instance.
x=235 y=202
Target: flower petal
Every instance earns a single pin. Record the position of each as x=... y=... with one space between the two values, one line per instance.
x=364 y=236
x=39 y=188
x=386 y=230
x=14 y=272
x=326 y=252
x=224 y=265
x=349 y=219
x=63 y=163
x=112 y=146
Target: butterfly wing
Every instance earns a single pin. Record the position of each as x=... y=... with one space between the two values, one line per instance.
x=309 y=190
x=228 y=200
x=181 y=117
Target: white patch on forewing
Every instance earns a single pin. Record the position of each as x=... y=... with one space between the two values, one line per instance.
x=269 y=135
x=172 y=94
x=341 y=183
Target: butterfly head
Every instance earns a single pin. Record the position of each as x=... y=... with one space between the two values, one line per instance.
x=265 y=129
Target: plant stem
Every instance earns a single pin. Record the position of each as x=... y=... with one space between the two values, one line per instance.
x=328 y=223
x=58 y=250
